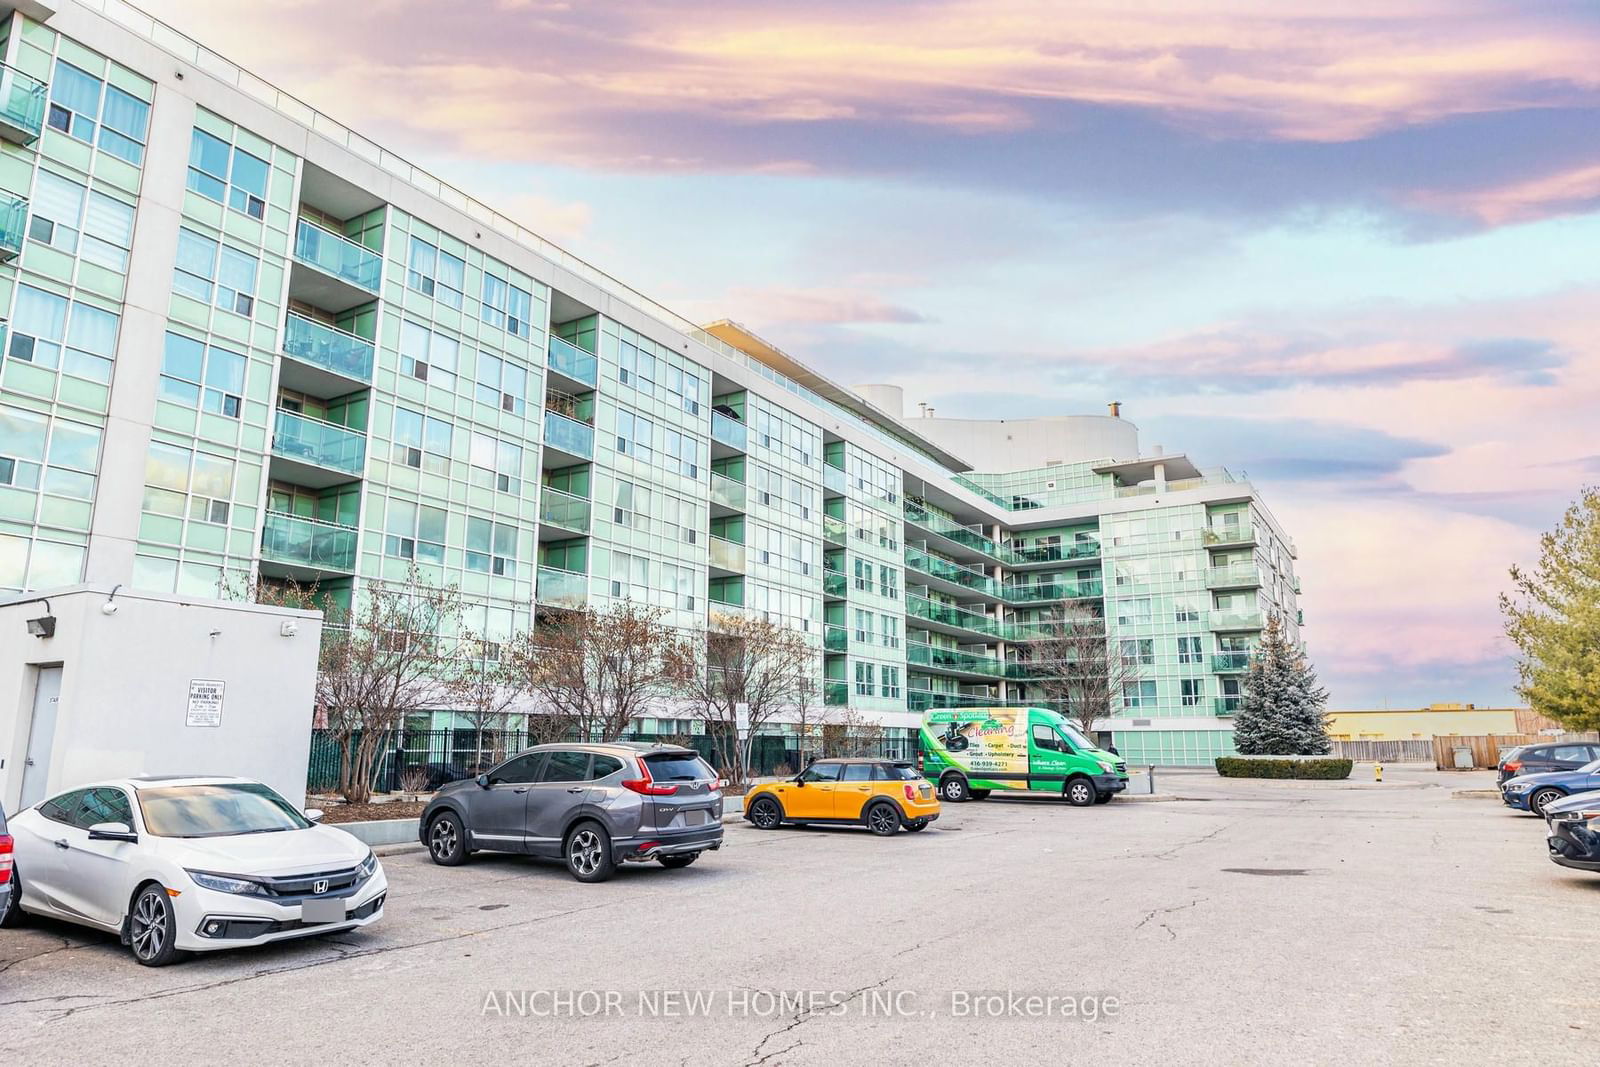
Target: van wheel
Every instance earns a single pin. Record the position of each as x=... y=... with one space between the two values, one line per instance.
x=1080 y=792
x=953 y=789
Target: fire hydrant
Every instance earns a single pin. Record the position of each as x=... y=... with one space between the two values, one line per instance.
x=1377 y=772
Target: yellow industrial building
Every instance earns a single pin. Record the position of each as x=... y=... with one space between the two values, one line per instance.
x=1434 y=720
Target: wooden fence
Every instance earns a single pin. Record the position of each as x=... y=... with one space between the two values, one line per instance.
x=1486 y=748
x=1418 y=751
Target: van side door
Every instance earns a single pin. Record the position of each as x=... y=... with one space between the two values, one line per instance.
x=1048 y=757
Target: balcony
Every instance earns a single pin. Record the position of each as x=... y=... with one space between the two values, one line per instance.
x=565 y=510
x=1242 y=620
x=569 y=440
x=1033 y=555
x=1227 y=705
x=835 y=584
x=344 y=274
x=728 y=432
x=314 y=453
x=954 y=660
x=924 y=699
x=562 y=589
x=947 y=618
x=942 y=570
x=1037 y=592
x=726 y=555
x=952 y=532
x=1245 y=575
x=1218 y=536
x=1230 y=662
x=727 y=493
x=836 y=639
x=580 y=368
x=13 y=226
x=833 y=480
x=307 y=546
x=21 y=106
x=334 y=358
x=836 y=694
x=834 y=531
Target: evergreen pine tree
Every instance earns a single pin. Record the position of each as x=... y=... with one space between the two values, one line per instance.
x=1282 y=712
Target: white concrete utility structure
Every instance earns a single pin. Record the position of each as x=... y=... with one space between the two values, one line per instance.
x=102 y=683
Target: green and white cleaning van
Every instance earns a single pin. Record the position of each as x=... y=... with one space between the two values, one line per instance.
x=969 y=752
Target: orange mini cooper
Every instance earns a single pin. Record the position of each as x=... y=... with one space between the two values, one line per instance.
x=882 y=795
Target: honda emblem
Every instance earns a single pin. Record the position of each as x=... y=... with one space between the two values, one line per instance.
x=319 y=887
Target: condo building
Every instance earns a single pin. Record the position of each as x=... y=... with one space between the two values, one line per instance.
x=243 y=340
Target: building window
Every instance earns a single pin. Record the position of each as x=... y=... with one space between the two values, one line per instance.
x=414 y=531
x=863 y=576
x=1190 y=690
x=50 y=331
x=74 y=454
x=864 y=683
x=422 y=441
x=216 y=273
x=506 y=306
x=891 y=681
x=635 y=436
x=891 y=631
x=491 y=547
x=436 y=273
x=63 y=211
x=76 y=102
x=1139 y=652
x=501 y=462
x=502 y=384
x=196 y=375
x=228 y=175
x=1138 y=694
x=428 y=356
x=1189 y=650
x=888 y=581
x=863 y=626
x=1187 y=611
x=173 y=473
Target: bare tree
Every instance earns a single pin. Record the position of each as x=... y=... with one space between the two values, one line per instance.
x=595 y=672
x=388 y=661
x=746 y=661
x=849 y=733
x=809 y=716
x=485 y=687
x=1078 y=670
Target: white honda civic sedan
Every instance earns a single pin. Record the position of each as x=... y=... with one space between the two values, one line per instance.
x=189 y=864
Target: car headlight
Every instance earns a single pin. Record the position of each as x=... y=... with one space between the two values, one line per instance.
x=224 y=883
x=1515 y=786
x=369 y=866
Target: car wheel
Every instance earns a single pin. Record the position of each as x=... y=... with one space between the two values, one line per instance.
x=682 y=859
x=1080 y=792
x=916 y=825
x=11 y=911
x=588 y=852
x=1543 y=797
x=447 y=840
x=980 y=794
x=953 y=789
x=152 y=927
x=765 y=814
x=882 y=819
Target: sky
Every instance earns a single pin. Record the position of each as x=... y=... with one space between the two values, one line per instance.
x=1348 y=248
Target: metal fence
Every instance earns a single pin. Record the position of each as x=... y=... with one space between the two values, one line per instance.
x=1408 y=751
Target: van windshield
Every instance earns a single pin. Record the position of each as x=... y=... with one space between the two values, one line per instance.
x=1076 y=736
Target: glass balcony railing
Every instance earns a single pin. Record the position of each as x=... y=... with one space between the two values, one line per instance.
x=972 y=621
x=834 y=530
x=13 y=221
x=569 y=435
x=287 y=538
x=566 y=358
x=1230 y=662
x=338 y=256
x=833 y=479
x=564 y=510
x=835 y=584
x=934 y=567
x=1020 y=555
x=726 y=555
x=836 y=694
x=1035 y=592
x=974 y=540
x=1241 y=620
x=728 y=431
x=1229 y=535
x=1227 y=705
x=566 y=589
x=328 y=347
x=1234 y=574
x=323 y=444
x=935 y=657
x=727 y=492
x=923 y=699
x=21 y=104
x=836 y=639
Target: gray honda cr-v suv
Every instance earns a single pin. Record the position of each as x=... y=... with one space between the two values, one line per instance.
x=593 y=806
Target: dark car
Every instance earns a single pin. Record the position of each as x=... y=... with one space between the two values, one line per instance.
x=593 y=806
x=1538 y=759
x=5 y=866
x=1536 y=792
x=1574 y=837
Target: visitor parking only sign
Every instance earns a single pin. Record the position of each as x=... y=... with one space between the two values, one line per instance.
x=205 y=703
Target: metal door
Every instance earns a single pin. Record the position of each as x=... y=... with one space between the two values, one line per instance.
x=41 y=735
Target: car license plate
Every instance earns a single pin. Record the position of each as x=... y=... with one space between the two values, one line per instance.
x=697 y=817
x=924 y=791
x=323 y=910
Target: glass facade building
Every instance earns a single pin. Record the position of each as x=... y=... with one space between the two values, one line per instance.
x=242 y=342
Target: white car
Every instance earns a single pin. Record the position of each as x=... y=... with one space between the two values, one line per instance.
x=181 y=864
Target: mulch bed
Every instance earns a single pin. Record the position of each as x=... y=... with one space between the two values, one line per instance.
x=399 y=809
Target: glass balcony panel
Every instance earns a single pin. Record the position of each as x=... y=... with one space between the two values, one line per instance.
x=836 y=694
x=728 y=431
x=1229 y=662
x=13 y=220
x=569 y=435
x=324 y=444
x=1228 y=705
x=287 y=538
x=1244 y=620
x=563 y=509
x=726 y=555
x=727 y=492
x=834 y=530
x=836 y=639
x=338 y=256
x=935 y=567
x=568 y=589
x=832 y=479
x=835 y=583
x=566 y=358
x=328 y=347
x=22 y=100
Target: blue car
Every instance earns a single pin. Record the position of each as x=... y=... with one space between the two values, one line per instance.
x=1574 y=837
x=1534 y=792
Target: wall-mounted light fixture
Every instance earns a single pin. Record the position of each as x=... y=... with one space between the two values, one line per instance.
x=110 y=606
x=45 y=625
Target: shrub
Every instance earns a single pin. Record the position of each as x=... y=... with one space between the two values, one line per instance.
x=1327 y=769
x=783 y=770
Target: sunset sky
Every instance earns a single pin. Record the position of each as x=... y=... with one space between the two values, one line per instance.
x=1354 y=252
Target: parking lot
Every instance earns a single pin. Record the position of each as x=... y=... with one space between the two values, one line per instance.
x=1257 y=922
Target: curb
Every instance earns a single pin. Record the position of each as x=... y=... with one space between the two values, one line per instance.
x=1475 y=794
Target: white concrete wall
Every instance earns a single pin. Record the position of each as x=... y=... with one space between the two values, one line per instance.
x=997 y=445
x=125 y=688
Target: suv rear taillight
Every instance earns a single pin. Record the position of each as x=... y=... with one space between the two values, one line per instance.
x=1512 y=765
x=5 y=858
x=646 y=785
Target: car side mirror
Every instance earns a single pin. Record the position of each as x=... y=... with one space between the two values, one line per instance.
x=112 y=831
x=313 y=814
x=800 y=782
x=482 y=780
